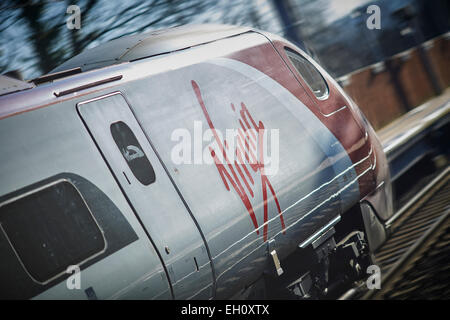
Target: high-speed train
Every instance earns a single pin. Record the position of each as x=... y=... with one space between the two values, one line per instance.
x=198 y=162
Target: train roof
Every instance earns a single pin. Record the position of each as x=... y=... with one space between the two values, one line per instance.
x=135 y=47
x=17 y=96
x=10 y=85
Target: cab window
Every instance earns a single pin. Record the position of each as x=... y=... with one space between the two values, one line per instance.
x=310 y=74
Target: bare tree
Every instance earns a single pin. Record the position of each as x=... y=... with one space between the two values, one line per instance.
x=43 y=23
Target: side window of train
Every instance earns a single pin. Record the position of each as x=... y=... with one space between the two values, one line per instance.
x=132 y=153
x=50 y=229
x=313 y=78
x=46 y=227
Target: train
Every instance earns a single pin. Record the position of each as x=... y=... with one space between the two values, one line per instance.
x=196 y=162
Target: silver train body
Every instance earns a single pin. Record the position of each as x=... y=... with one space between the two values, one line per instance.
x=88 y=178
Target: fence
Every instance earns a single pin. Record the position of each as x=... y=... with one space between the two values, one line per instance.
x=386 y=90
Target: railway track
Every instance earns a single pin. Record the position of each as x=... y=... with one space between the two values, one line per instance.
x=415 y=260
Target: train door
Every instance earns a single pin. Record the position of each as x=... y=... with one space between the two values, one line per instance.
x=142 y=178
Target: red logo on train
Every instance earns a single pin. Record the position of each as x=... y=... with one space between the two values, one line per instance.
x=237 y=173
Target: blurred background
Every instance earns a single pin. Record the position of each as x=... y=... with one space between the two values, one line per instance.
x=393 y=69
